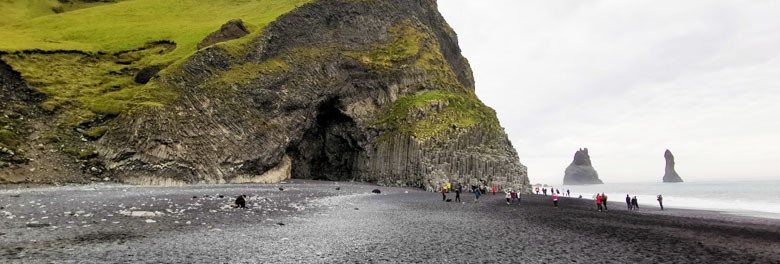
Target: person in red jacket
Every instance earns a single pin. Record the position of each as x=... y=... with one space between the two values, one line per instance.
x=598 y=201
x=555 y=200
x=494 y=190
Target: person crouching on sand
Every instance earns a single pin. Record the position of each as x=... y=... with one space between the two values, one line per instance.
x=555 y=200
x=660 y=201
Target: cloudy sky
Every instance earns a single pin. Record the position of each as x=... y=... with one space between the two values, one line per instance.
x=629 y=79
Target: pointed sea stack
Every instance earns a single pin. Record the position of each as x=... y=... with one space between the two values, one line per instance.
x=670 y=175
x=581 y=171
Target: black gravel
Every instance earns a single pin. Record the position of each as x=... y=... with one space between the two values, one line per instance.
x=312 y=222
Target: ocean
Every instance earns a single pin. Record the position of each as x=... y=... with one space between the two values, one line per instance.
x=749 y=198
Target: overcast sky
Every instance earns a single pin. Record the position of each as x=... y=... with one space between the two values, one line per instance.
x=629 y=79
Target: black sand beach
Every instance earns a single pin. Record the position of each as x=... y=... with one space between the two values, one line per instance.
x=192 y=224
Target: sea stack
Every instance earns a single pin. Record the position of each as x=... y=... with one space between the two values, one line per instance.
x=581 y=170
x=670 y=175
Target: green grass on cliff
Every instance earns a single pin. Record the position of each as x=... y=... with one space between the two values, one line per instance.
x=411 y=47
x=430 y=114
x=405 y=44
x=81 y=87
x=240 y=74
x=130 y=25
x=15 y=11
x=448 y=103
x=8 y=138
x=85 y=59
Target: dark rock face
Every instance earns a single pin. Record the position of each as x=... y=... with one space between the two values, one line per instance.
x=669 y=174
x=581 y=171
x=233 y=29
x=144 y=75
x=16 y=105
x=373 y=91
x=13 y=88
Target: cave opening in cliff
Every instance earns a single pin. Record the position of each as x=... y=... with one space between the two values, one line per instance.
x=328 y=150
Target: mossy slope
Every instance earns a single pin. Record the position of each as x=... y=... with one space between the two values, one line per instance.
x=444 y=103
x=107 y=44
x=129 y=25
x=83 y=56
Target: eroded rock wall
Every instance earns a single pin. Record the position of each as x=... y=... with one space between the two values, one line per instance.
x=371 y=91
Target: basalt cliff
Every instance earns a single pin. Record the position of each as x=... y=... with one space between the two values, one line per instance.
x=581 y=170
x=670 y=175
x=342 y=90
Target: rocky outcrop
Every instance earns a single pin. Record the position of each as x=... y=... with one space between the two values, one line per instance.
x=327 y=99
x=670 y=175
x=581 y=171
x=15 y=100
x=233 y=29
x=373 y=91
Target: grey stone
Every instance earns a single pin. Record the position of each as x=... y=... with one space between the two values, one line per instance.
x=581 y=170
x=36 y=224
x=670 y=175
x=233 y=29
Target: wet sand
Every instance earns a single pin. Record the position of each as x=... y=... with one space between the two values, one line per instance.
x=192 y=224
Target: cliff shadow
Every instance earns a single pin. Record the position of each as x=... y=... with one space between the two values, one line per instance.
x=328 y=149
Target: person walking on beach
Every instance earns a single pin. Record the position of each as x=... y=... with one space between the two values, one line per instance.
x=457 y=194
x=660 y=201
x=634 y=203
x=494 y=190
x=544 y=191
x=444 y=193
x=508 y=197
x=568 y=194
x=598 y=201
x=555 y=200
x=628 y=201
x=537 y=190
x=558 y=191
x=477 y=193
x=604 y=201
x=513 y=194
